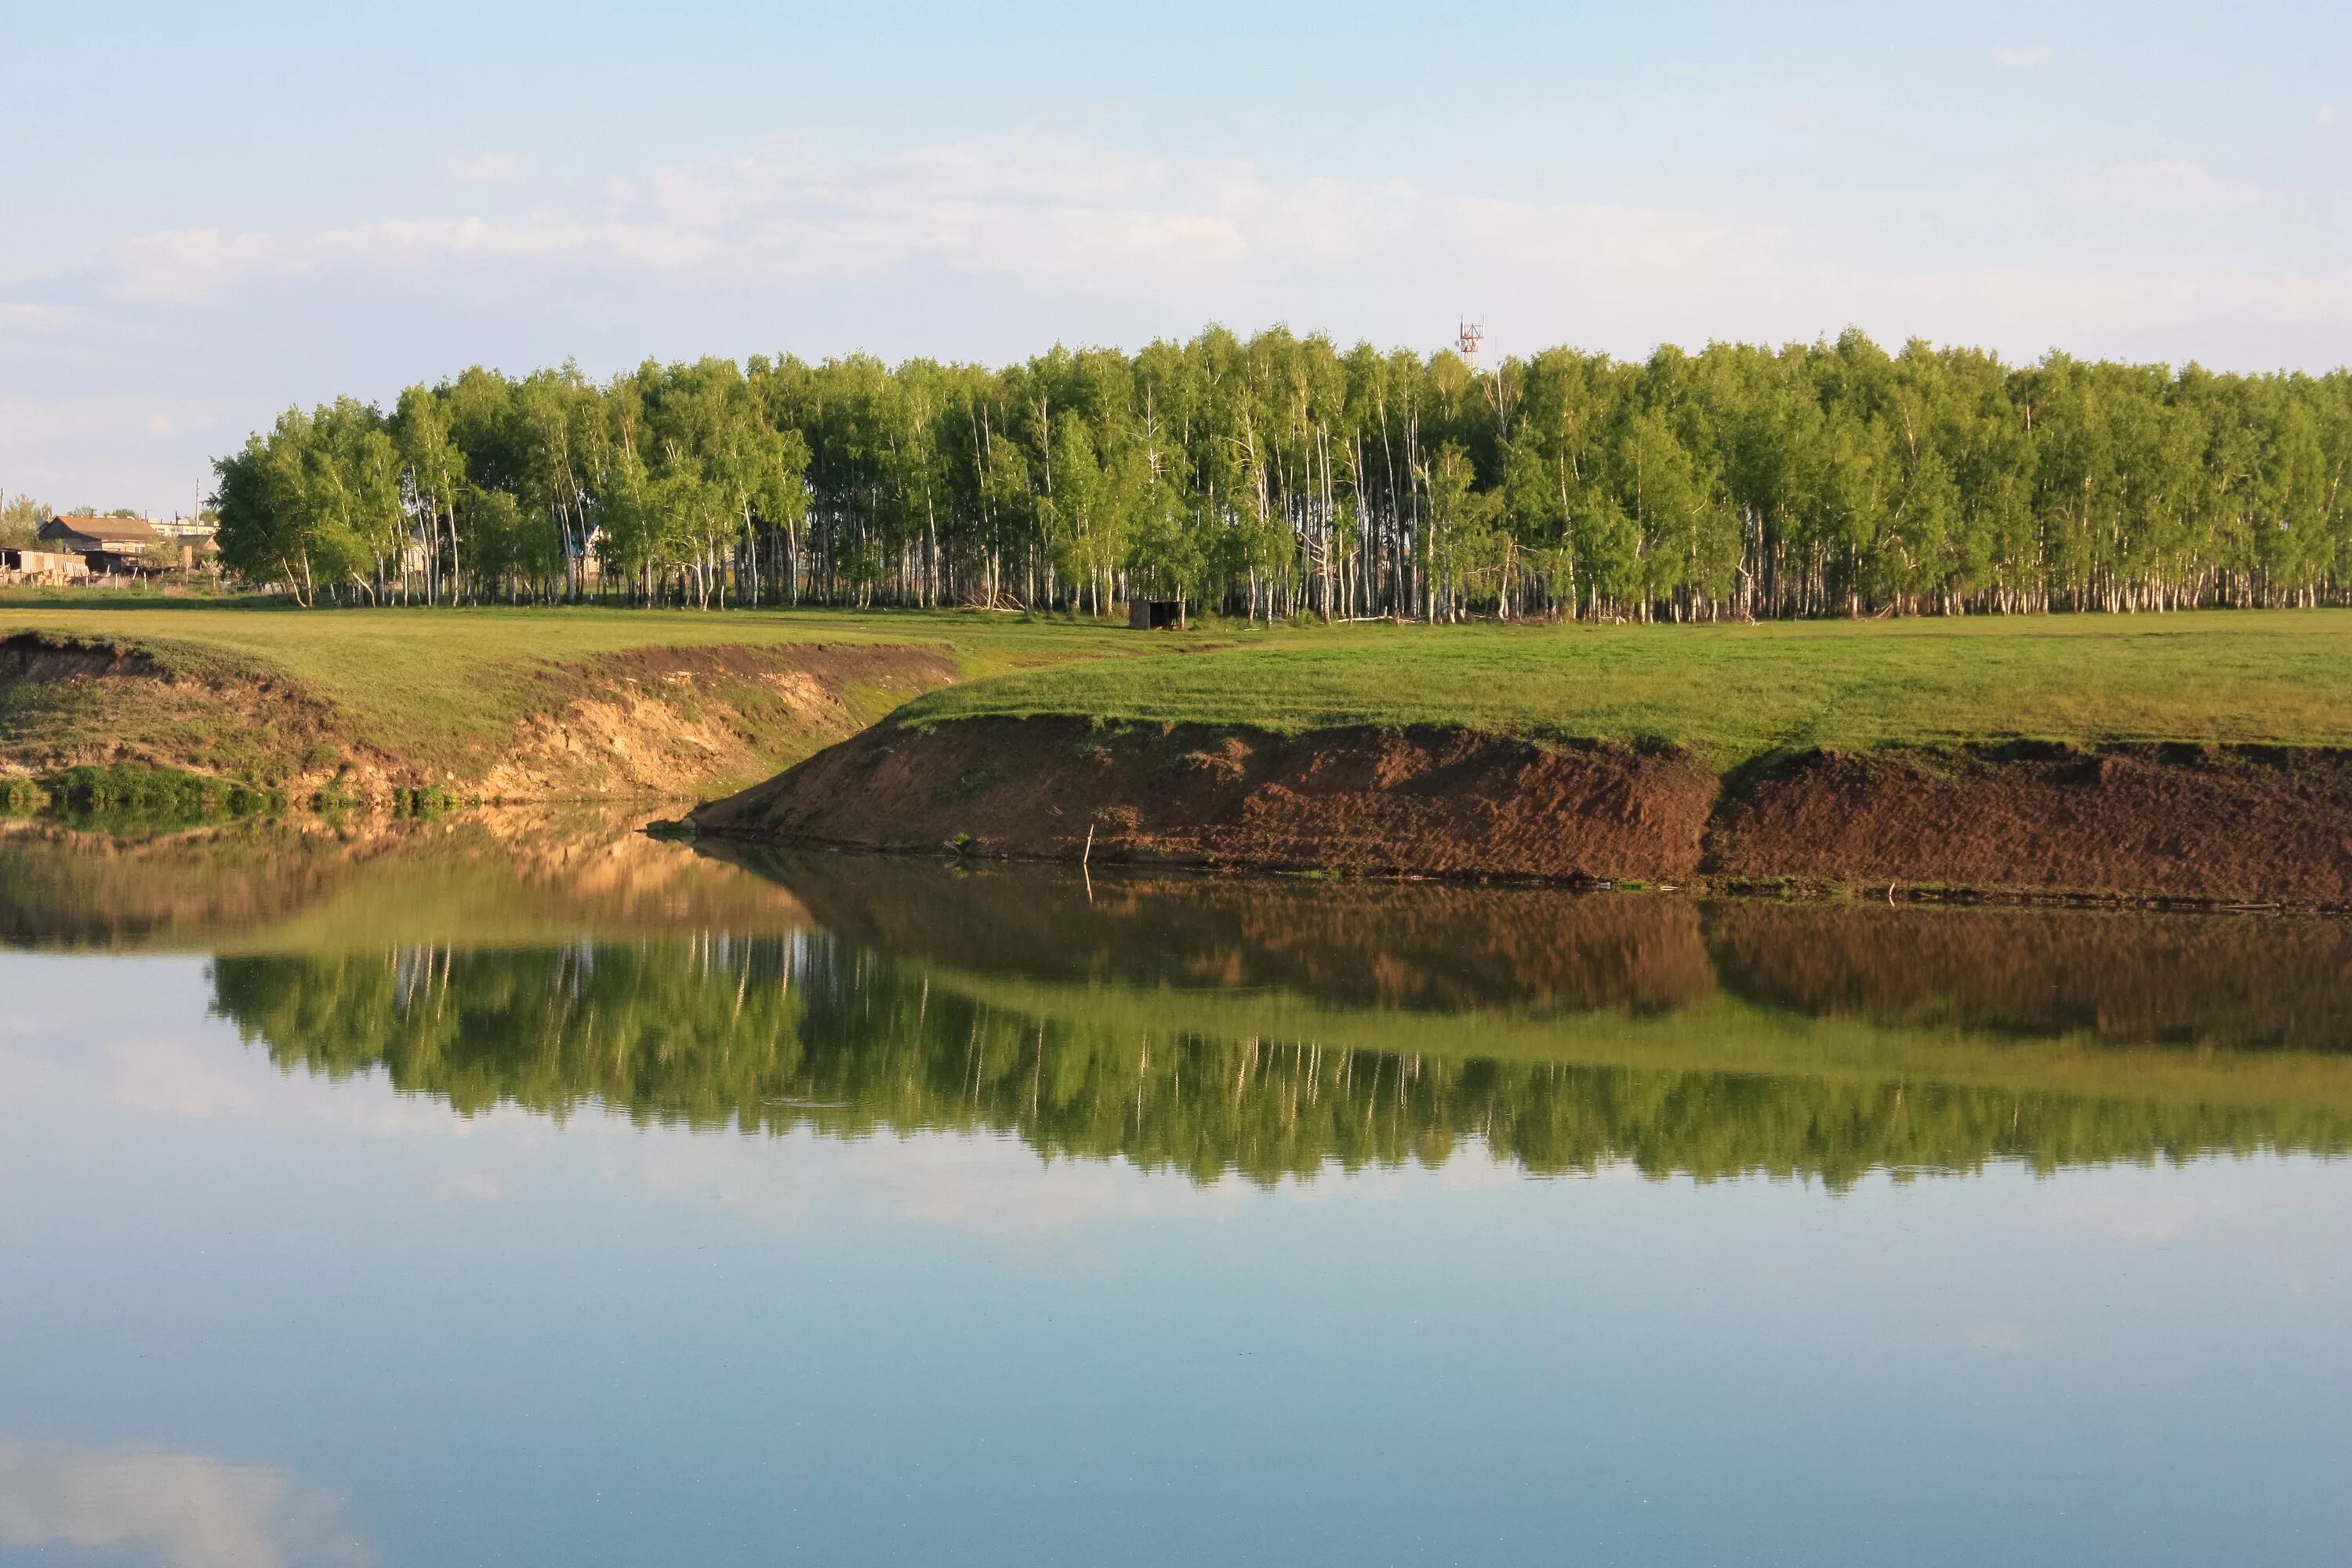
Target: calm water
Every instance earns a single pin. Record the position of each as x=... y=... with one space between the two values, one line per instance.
x=495 y=1193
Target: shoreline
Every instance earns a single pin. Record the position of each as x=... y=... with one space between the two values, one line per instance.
x=2140 y=826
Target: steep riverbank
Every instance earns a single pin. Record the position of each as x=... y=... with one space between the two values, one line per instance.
x=2198 y=825
x=641 y=722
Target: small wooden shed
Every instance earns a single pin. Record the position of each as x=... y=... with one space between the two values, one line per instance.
x=1154 y=614
x=43 y=566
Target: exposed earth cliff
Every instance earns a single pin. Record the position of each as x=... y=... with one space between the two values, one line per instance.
x=2215 y=825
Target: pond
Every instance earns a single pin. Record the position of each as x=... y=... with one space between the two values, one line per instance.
x=511 y=1189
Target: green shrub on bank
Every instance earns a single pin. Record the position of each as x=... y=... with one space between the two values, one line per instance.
x=424 y=802
x=121 y=796
x=21 y=798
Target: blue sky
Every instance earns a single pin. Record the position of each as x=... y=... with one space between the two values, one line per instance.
x=212 y=214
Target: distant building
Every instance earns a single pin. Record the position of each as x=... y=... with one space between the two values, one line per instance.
x=120 y=537
x=41 y=566
x=131 y=545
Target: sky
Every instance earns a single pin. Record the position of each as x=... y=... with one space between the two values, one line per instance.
x=210 y=214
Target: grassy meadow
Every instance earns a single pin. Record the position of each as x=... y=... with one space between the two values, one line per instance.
x=1731 y=691
x=1734 y=692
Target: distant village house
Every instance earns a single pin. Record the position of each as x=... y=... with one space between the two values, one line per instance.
x=128 y=544
x=88 y=536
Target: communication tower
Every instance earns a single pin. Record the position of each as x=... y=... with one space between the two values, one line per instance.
x=1473 y=333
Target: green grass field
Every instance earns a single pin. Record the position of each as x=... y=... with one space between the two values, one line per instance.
x=1731 y=692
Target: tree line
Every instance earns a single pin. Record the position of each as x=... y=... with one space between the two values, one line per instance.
x=1280 y=476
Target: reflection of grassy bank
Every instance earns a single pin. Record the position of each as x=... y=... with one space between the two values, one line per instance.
x=1721 y=1034
x=1210 y=1024
x=507 y=878
x=773 y=1033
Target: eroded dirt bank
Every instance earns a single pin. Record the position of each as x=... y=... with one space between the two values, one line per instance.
x=668 y=721
x=1374 y=802
x=2268 y=824
x=2194 y=824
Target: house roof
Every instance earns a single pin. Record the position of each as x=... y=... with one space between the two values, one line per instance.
x=106 y=530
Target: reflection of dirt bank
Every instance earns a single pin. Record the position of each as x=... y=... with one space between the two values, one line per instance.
x=2169 y=978
x=1425 y=945
x=2269 y=982
x=2213 y=825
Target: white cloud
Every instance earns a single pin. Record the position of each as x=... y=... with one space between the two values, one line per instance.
x=186 y=266
x=178 y=1510
x=997 y=246
x=2323 y=115
x=2169 y=186
x=1183 y=241
x=29 y=318
x=1049 y=212
x=487 y=168
x=2022 y=57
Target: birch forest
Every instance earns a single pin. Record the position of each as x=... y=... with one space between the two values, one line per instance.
x=1280 y=476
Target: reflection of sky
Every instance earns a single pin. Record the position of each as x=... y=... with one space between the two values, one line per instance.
x=177 y=1510
x=501 y=1340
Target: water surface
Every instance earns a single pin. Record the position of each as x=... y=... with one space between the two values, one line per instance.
x=510 y=1191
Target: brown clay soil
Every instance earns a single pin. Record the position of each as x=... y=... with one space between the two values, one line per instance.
x=2210 y=826
x=2206 y=824
x=1365 y=800
x=672 y=721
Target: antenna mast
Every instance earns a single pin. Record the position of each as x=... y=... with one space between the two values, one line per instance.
x=1473 y=333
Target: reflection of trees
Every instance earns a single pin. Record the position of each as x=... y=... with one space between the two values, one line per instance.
x=778 y=1032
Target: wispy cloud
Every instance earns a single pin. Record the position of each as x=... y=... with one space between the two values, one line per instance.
x=2022 y=57
x=31 y=318
x=1062 y=218
x=1052 y=213
x=2170 y=186
x=487 y=168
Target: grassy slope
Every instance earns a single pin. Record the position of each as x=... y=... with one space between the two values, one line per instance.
x=436 y=682
x=462 y=667
x=440 y=679
x=1735 y=692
